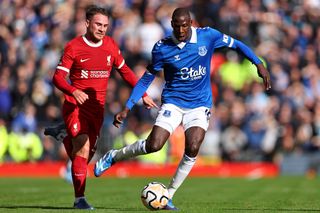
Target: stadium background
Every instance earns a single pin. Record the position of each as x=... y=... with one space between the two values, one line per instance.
x=280 y=128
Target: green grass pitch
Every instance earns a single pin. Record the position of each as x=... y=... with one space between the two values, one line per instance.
x=285 y=194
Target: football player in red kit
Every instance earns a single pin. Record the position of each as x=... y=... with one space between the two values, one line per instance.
x=88 y=61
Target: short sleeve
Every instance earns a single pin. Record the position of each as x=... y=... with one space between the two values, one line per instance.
x=118 y=58
x=157 y=58
x=67 y=58
x=220 y=39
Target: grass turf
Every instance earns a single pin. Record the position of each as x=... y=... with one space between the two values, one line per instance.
x=197 y=195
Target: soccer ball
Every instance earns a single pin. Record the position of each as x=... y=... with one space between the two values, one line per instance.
x=155 y=196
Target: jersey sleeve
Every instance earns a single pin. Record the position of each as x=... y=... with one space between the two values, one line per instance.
x=118 y=58
x=223 y=40
x=157 y=59
x=67 y=58
x=60 y=81
x=140 y=89
x=128 y=75
x=60 y=76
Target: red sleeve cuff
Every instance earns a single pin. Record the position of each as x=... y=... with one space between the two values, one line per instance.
x=73 y=89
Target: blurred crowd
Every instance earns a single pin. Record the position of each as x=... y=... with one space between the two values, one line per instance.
x=247 y=124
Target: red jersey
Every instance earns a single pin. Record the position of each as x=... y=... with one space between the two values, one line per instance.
x=89 y=66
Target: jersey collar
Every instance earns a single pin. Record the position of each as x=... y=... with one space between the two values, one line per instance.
x=90 y=43
x=193 y=38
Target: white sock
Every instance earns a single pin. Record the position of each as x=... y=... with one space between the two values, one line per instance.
x=132 y=150
x=182 y=172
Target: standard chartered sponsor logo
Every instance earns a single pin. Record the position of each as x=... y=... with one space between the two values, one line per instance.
x=99 y=74
x=95 y=74
x=192 y=73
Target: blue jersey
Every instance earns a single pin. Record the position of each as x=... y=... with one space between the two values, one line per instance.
x=186 y=67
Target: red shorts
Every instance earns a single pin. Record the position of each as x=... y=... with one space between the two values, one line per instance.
x=80 y=120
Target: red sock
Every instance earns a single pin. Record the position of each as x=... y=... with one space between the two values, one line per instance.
x=68 y=145
x=79 y=175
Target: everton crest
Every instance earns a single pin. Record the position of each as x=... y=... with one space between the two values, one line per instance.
x=167 y=113
x=202 y=51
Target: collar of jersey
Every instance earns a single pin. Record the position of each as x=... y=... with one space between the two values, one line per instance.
x=193 y=39
x=90 y=43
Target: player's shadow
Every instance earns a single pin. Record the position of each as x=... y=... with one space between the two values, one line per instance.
x=65 y=208
x=120 y=209
x=34 y=207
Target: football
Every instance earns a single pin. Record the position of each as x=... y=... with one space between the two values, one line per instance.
x=155 y=196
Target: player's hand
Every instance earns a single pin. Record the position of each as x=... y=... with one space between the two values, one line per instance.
x=119 y=117
x=148 y=102
x=264 y=74
x=80 y=96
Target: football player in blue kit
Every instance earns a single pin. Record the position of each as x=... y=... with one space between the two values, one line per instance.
x=185 y=58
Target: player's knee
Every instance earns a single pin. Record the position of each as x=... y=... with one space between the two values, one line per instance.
x=85 y=149
x=83 y=152
x=192 y=149
x=153 y=147
x=81 y=149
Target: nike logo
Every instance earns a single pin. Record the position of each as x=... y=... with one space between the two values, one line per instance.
x=78 y=175
x=83 y=60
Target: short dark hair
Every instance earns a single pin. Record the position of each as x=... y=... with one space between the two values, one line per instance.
x=93 y=10
x=180 y=11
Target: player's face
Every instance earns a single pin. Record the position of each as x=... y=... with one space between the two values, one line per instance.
x=97 y=27
x=181 y=27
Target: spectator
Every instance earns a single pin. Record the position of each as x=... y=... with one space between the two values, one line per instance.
x=5 y=97
x=26 y=120
x=25 y=146
x=149 y=32
x=3 y=140
x=286 y=35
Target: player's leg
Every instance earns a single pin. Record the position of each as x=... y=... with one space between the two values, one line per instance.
x=194 y=137
x=153 y=143
x=57 y=132
x=67 y=142
x=85 y=147
x=80 y=151
x=168 y=119
x=196 y=123
x=78 y=128
x=92 y=151
x=67 y=174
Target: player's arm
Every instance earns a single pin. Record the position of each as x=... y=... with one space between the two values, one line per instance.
x=139 y=89
x=60 y=81
x=119 y=63
x=129 y=77
x=61 y=74
x=223 y=40
x=249 y=54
